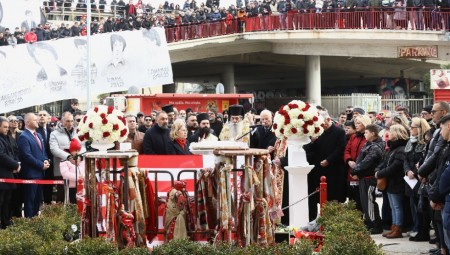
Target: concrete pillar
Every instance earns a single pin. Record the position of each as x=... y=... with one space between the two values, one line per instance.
x=313 y=80
x=228 y=79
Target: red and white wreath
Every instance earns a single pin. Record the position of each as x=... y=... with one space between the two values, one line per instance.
x=297 y=119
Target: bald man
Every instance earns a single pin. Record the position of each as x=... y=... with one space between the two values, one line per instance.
x=263 y=137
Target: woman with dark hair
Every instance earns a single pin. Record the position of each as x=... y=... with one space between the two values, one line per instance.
x=369 y=157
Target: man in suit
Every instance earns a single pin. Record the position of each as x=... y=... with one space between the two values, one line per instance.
x=10 y=164
x=44 y=130
x=156 y=138
x=263 y=137
x=34 y=162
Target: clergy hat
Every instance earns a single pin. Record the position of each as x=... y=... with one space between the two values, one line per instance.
x=202 y=116
x=168 y=108
x=236 y=110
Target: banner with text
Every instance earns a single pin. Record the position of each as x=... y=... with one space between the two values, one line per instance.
x=43 y=72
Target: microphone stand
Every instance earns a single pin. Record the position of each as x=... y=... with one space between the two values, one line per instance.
x=251 y=130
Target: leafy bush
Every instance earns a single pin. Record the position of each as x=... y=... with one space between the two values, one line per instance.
x=345 y=232
x=89 y=246
x=135 y=251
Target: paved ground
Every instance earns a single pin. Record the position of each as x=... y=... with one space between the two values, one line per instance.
x=402 y=246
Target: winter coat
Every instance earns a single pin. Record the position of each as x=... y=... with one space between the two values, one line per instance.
x=353 y=149
x=392 y=167
x=59 y=145
x=68 y=171
x=155 y=141
x=442 y=163
x=9 y=159
x=415 y=152
x=369 y=158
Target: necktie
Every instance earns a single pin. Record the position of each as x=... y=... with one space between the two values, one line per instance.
x=37 y=140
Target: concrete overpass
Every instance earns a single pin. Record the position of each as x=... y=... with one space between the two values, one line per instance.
x=292 y=59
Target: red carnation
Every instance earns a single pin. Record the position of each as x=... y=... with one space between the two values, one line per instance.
x=104 y=121
x=123 y=132
x=281 y=108
x=315 y=118
x=305 y=130
x=293 y=106
x=115 y=127
x=282 y=131
x=84 y=118
x=96 y=109
x=316 y=130
x=110 y=109
x=119 y=117
x=91 y=125
x=124 y=121
x=307 y=106
x=287 y=121
x=294 y=130
x=86 y=135
x=305 y=125
x=106 y=134
x=300 y=116
x=81 y=138
x=102 y=115
x=310 y=122
x=275 y=126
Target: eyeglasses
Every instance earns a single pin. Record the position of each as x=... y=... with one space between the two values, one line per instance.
x=434 y=111
x=148 y=119
x=15 y=121
x=77 y=120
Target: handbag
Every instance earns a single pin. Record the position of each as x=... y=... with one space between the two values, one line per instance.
x=382 y=183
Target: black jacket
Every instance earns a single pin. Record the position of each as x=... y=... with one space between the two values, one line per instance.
x=369 y=158
x=392 y=167
x=46 y=139
x=415 y=153
x=173 y=148
x=442 y=163
x=156 y=141
x=262 y=139
x=9 y=161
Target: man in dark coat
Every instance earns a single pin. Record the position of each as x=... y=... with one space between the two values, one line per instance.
x=45 y=130
x=156 y=138
x=263 y=137
x=326 y=154
x=10 y=164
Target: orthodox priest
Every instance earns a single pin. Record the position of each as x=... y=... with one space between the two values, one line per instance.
x=204 y=132
x=237 y=126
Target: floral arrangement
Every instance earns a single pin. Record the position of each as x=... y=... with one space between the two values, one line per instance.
x=297 y=119
x=103 y=124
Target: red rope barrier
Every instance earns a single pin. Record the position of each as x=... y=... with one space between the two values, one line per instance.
x=19 y=181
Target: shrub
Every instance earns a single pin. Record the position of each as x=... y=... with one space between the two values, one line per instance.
x=88 y=246
x=345 y=232
x=135 y=251
x=183 y=247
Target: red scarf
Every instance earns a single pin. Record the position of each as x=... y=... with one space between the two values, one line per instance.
x=181 y=142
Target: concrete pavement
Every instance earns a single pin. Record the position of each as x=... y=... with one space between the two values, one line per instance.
x=402 y=246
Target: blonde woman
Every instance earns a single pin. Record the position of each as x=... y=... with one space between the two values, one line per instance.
x=178 y=144
x=415 y=152
x=392 y=169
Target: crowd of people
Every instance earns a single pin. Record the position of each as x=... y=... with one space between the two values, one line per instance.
x=356 y=152
x=270 y=15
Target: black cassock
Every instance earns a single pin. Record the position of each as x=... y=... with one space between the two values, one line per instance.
x=330 y=146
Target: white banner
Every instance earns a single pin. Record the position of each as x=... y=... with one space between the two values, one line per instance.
x=20 y=13
x=43 y=72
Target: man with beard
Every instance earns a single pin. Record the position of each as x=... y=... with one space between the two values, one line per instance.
x=214 y=123
x=170 y=111
x=237 y=126
x=157 y=138
x=192 y=125
x=204 y=132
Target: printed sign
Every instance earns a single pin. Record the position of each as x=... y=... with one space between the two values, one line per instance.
x=439 y=79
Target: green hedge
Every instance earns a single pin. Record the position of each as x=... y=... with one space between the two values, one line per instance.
x=344 y=230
